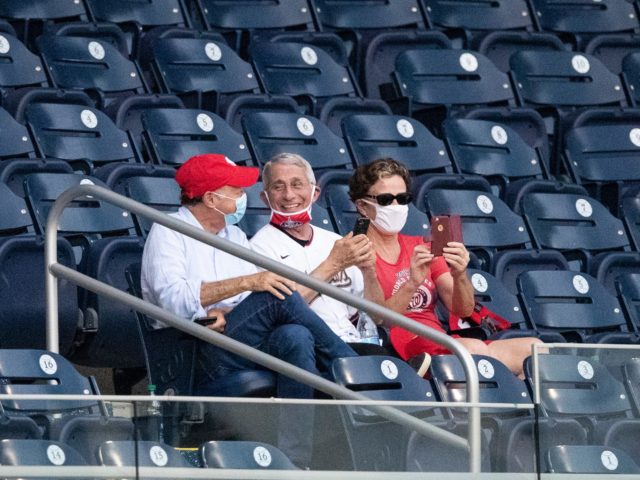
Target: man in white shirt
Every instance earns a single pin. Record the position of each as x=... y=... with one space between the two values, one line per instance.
x=349 y=263
x=192 y=279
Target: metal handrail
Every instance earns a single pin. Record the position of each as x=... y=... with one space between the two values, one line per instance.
x=53 y=270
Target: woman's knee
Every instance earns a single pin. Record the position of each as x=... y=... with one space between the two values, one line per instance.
x=474 y=346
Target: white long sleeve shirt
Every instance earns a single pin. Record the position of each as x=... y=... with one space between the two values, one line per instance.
x=174 y=267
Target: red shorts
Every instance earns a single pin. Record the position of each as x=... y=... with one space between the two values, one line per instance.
x=421 y=345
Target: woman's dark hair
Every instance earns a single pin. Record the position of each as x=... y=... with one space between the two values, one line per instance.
x=366 y=175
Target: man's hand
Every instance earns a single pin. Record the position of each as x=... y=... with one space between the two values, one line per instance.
x=421 y=259
x=270 y=282
x=457 y=256
x=220 y=322
x=350 y=250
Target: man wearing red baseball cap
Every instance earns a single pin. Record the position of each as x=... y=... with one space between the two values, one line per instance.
x=261 y=309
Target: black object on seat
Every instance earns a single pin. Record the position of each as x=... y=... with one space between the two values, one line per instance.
x=246 y=455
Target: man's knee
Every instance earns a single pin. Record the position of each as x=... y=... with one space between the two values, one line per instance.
x=292 y=338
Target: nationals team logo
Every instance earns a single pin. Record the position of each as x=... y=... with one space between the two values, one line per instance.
x=422 y=297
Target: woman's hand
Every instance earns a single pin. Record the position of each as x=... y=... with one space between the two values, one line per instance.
x=457 y=257
x=421 y=259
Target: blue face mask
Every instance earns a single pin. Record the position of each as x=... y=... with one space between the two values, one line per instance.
x=241 y=207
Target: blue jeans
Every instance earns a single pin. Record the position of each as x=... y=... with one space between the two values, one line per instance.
x=289 y=330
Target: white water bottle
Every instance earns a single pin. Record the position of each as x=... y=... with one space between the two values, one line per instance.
x=367 y=329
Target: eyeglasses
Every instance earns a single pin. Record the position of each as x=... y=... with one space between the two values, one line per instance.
x=385 y=199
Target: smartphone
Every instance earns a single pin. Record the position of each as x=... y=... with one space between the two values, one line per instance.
x=361 y=226
x=445 y=229
x=205 y=321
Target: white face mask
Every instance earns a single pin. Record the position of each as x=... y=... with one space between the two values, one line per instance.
x=391 y=218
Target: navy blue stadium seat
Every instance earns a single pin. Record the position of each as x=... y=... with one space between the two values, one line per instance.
x=338 y=109
x=245 y=455
x=608 y=267
x=116 y=176
x=573 y=223
x=509 y=264
x=430 y=79
x=630 y=214
x=582 y=18
x=589 y=459
x=45 y=453
x=143 y=453
x=270 y=133
x=303 y=71
x=23 y=312
x=19 y=67
x=161 y=193
x=382 y=50
x=513 y=446
x=611 y=48
x=631 y=72
x=14 y=217
x=628 y=288
x=335 y=198
x=370 y=137
x=581 y=387
x=201 y=69
x=494 y=151
x=90 y=64
x=14 y=138
x=83 y=136
x=487 y=222
x=171 y=136
x=575 y=305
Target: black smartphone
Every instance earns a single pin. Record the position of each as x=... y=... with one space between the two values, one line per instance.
x=205 y=321
x=361 y=226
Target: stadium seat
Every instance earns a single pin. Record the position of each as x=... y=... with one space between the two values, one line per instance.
x=19 y=67
x=470 y=20
x=14 y=217
x=335 y=198
x=578 y=20
x=513 y=446
x=92 y=65
x=161 y=193
x=488 y=224
x=374 y=443
x=494 y=151
x=370 y=137
x=589 y=459
x=581 y=387
x=241 y=18
x=628 y=288
x=577 y=225
x=143 y=453
x=86 y=220
x=382 y=50
x=575 y=305
x=509 y=264
x=499 y=45
x=611 y=48
x=83 y=136
x=270 y=133
x=116 y=176
x=45 y=453
x=303 y=71
x=14 y=138
x=22 y=297
x=245 y=455
x=201 y=69
x=437 y=79
x=608 y=267
x=171 y=136
x=630 y=214
x=338 y=109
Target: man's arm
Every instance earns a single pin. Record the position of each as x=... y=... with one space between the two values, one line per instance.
x=214 y=292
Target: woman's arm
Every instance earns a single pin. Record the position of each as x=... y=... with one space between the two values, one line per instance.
x=454 y=287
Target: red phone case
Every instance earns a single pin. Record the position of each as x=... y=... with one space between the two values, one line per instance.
x=445 y=229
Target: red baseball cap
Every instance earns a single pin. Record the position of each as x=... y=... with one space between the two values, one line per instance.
x=209 y=172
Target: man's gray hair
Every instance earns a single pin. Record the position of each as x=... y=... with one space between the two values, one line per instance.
x=287 y=159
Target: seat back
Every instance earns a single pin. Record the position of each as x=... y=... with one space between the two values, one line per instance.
x=571 y=221
x=564 y=79
x=34 y=452
x=569 y=301
x=585 y=17
x=293 y=68
x=14 y=138
x=14 y=216
x=200 y=64
x=146 y=14
x=77 y=133
x=631 y=70
x=628 y=287
x=22 y=296
x=140 y=453
x=450 y=77
x=590 y=459
x=363 y=15
x=18 y=66
x=41 y=9
x=245 y=455
x=497 y=383
x=174 y=135
x=509 y=264
x=486 y=220
x=249 y=15
x=630 y=212
x=501 y=15
x=370 y=137
x=578 y=386
x=86 y=215
x=161 y=193
x=89 y=63
x=270 y=133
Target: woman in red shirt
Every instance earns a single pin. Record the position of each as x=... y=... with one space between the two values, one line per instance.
x=410 y=277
